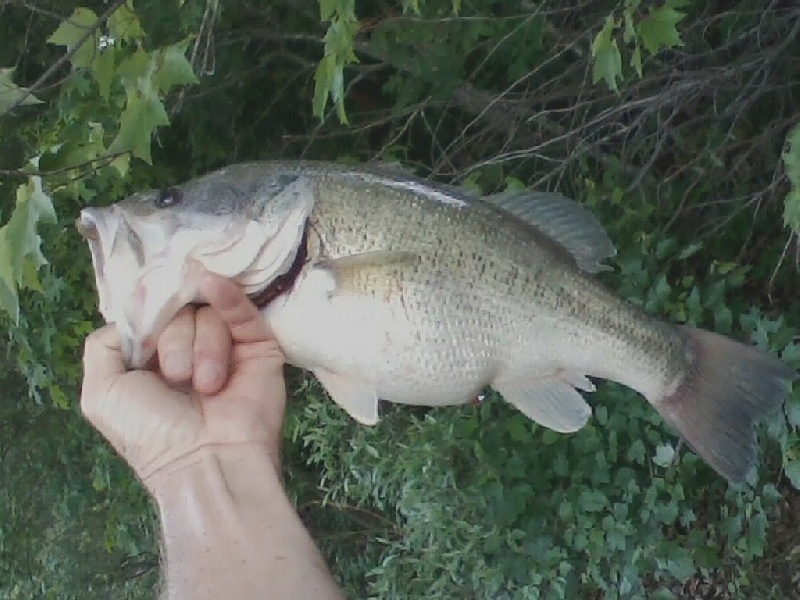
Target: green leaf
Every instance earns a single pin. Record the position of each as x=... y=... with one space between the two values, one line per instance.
x=679 y=563
x=323 y=79
x=592 y=500
x=10 y=93
x=636 y=60
x=20 y=244
x=124 y=25
x=103 y=70
x=60 y=399
x=173 y=68
x=792 y=471
x=79 y=152
x=72 y=30
x=629 y=32
x=636 y=452
x=327 y=9
x=143 y=113
x=791 y=161
x=664 y=455
x=138 y=66
x=412 y=6
x=607 y=59
x=520 y=430
x=121 y=164
x=793 y=411
x=658 y=29
x=339 y=52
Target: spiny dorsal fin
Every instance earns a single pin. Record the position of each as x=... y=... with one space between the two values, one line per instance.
x=565 y=221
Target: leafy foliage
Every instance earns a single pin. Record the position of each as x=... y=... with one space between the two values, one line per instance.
x=11 y=94
x=792 y=160
x=668 y=119
x=20 y=251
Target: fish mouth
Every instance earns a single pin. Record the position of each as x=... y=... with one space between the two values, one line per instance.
x=147 y=268
x=100 y=227
x=87 y=227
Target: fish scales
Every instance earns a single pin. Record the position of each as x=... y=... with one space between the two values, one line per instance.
x=419 y=293
x=492 y=274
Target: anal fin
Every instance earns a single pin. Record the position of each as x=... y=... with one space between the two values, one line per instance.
x=356 y=397
x=553 y=403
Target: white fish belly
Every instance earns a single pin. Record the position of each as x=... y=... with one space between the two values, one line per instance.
x=408 y=357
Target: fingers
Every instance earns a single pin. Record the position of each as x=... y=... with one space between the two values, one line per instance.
x=176 y=347
x=212 y=351
x=239 y=314
x=102 y=366
x=196 y=347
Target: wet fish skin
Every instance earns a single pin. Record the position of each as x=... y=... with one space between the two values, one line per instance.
x=419 y=293
x=493 y=276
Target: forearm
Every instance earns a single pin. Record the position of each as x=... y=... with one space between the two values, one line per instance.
x=230 y=531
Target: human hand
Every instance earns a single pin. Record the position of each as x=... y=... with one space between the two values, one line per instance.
x=219 y=383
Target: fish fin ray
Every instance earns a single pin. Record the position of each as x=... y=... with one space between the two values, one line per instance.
x=728 y=388
x=389 y=168
x=369 y=260
x=577 y=380
x=353 y=273
x=357 y=398
x=564 y=221
x=553 y=403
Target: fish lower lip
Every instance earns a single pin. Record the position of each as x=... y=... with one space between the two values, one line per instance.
x=87 y=227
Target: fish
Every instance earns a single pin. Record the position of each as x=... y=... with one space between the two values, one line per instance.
x=390 y=287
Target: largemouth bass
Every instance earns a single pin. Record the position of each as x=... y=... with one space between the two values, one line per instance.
x=390 y=287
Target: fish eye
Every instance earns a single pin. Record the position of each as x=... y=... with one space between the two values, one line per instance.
x=168 y=197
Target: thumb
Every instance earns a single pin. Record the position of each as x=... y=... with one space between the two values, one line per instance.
x=239 y=314
x=103 y=364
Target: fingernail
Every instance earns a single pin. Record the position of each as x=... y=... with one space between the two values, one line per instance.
x=177 y=364
x=208 y=374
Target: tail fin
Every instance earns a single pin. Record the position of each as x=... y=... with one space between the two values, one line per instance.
x=727 y=389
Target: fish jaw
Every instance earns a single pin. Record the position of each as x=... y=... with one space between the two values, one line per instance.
x=147 y=269
x=138 y=298
x=154 y=303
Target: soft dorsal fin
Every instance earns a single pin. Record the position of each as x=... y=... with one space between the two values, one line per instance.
x=565 y=221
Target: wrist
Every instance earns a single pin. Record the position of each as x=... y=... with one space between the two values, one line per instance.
x=215 y=470
x=230 y=531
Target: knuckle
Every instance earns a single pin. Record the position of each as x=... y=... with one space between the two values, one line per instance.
x=92 y=344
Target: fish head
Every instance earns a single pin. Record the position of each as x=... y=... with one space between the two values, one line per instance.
x=150 y=250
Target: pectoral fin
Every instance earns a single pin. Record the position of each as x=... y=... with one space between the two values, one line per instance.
x=553 y=403
x=379 y=271
x=358 y=398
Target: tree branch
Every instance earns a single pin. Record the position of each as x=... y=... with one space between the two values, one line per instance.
x=60 y=62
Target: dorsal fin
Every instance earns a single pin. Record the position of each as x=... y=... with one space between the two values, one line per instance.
x=565 y=221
